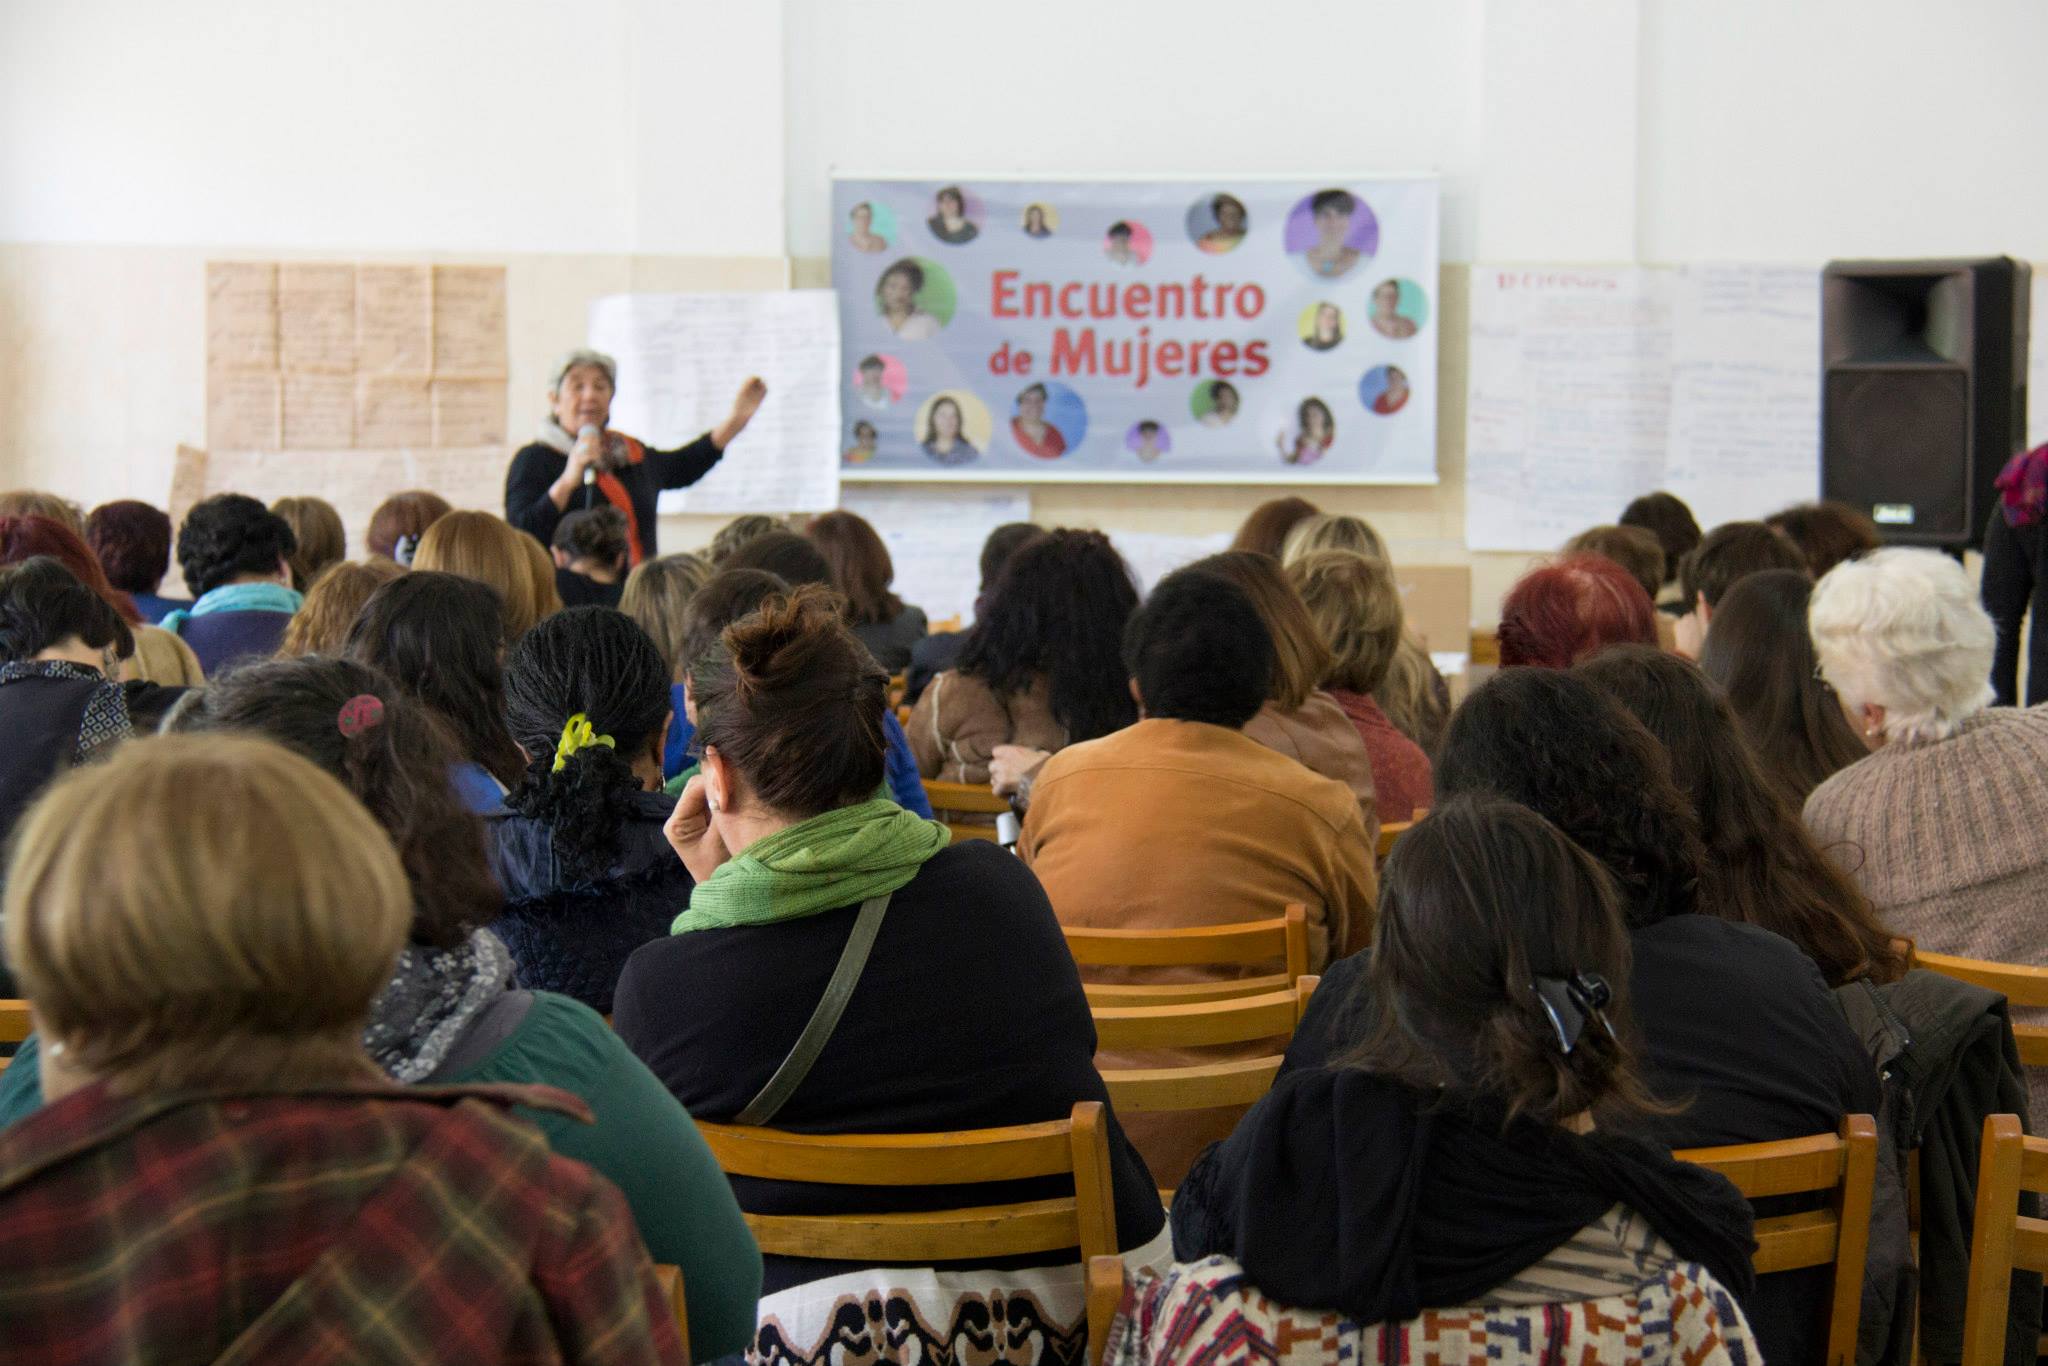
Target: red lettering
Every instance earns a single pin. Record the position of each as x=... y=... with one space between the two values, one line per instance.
x=1068 y=308
x=1173 y=301
x=1022 y=362
x=1144 y=356
x=1223 y=360
x=1169 y=358
x=1256 y=361
x=1138 y=301
x=1198 y=287
x=1038 y=300
x=999 y=360
x=1246 y=294
x=1072 y=355
x=1195 y=350
x=1112 y=363
x=1001 y=290
x=1102 y=301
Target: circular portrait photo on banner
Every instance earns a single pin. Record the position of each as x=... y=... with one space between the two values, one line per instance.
x=1306 y=433
x=1218 y=222
x=870 y=226
x=879 y=380
x=1399 y=309
x=1331 y=232
x=953 y=427
x=1127 y=243
x=1040 y=220
x=863 y=448
x=1384 y=390
x=916 y=298
x=956 y=216
x=1321 y=326
x=1047 y=420
x=1215 y=402
x=1148 y=440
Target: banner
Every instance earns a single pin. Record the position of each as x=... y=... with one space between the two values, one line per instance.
x=1250 y=331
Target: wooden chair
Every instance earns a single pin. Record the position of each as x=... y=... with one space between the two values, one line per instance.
x=1205 y=1085
x=1389 y=834
x=899 y=685
x=1283 y=939
x=2021 y=986
x=15 y=1026
x=2002 y=1240
x=1844 y=1164
x=974 y=799
x=1106 y=1283
x=1077 y=1146
x=671 y=1278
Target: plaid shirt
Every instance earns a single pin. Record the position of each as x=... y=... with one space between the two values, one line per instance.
x=349 y=1223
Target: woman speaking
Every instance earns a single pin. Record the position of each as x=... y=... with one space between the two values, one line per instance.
x=575 y=462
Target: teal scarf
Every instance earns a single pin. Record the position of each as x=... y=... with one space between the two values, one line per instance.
x=838 y=859
x=239 y=597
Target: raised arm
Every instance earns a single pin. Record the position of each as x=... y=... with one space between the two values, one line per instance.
x=685 y=465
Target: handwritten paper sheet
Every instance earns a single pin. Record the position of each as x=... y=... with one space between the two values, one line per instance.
x=242 y=409
x=469 y=412
x=1745 y=391
x=1153 y=555
x=394 y=321
x=683 y=357
x=316 y=318
x=1569 y=396
x=241 y=316
x=394 y=411
x=934 y=537
x=469 y=321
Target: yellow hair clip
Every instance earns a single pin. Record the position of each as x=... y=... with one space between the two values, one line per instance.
x=578 y=734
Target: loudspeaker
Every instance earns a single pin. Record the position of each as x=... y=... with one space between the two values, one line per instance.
x=1923 y=391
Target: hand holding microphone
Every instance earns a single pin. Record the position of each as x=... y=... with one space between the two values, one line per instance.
x=589 y=452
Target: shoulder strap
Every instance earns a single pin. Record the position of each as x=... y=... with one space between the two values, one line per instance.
x=809 y=1044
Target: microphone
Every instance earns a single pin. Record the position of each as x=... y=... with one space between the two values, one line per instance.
x=590 y=432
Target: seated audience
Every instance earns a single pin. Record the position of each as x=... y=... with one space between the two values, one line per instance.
x=451 y=1013
x=590 y=552
x=1638 y=551
x=1356 y=608
x=399 y=522
x=968 y=1012
x=1762 y=656
x=1762 y=867
x=1729 y=553
x=940 y=650
x=485 y=548
x=236 y=555
x=36 y=503
x=1739 y=1037
x=1299 y=720
x=794 y=559
x=332 y=605
x=1184 y=820
x=2015 y=575
x=1667 y=518
x=1940 y=825
x=863 y=573
x=60 y=642
x=440 y=638
x=318 y=534
x=1470 y=1144
x=657 y=595
x=540 y=569
x=1042 y=669
x=737 y=533
x=202 y=930
x=133 y=543
x=159 y=656
x=578 y=847
x=1265 y=528
x=1332 y=531
x=1827 y=533
x=1562 y=613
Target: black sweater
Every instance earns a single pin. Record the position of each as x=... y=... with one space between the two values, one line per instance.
x=969 y=1014
x=2015 y=579
x=537 y=466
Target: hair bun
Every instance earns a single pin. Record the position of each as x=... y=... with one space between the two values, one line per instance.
x=780 y=643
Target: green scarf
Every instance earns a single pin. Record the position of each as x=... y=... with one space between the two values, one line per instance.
x=837 y=859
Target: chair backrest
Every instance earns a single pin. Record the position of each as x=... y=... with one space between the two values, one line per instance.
x=1202 y=1085
x=2021 y=986
x=1106 y=1286
x=974 y=799
x=671 y=1278
x=1283 y=939
x=1843 y=1164
x=2002 y=1240
x=15 y=1024
x=1390 y=832
x=1077 y=1146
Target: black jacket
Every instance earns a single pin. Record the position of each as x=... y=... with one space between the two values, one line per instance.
x=1737 y=1025
x=2016 y=580
x=537 y=466
x=572 y=934
x=968 y=1014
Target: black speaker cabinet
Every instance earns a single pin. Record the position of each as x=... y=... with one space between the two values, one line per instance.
x=1923 y=391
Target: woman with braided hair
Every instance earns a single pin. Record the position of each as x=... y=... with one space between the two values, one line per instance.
x=578 y=848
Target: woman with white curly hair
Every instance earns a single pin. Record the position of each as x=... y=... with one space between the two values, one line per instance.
x=1941 y=824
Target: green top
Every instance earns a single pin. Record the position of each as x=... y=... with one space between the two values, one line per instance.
x=643 y=1141
x=834 y=859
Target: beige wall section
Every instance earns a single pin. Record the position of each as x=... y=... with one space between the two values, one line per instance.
x=102 y=376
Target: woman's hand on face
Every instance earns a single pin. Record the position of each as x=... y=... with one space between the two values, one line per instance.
x=692 y=835
x=1009 y=765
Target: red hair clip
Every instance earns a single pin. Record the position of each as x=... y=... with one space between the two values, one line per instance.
x=360 y=713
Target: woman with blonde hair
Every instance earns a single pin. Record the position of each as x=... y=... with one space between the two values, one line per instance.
x=657 y=596
x=36 y=503
x=321 y=539
x=486 y=548
x=201 y=930
x=1299 y=719
x=321 y=625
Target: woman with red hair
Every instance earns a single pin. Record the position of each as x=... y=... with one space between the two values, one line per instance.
x=160 y=656
x=1572 y=610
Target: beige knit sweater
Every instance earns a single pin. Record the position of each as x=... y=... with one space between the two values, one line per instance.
x=1949 y=840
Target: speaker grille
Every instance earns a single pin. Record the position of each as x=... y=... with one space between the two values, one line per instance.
x=1898 y=439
